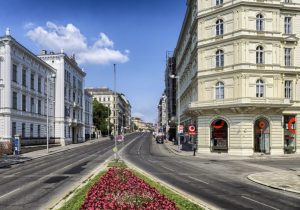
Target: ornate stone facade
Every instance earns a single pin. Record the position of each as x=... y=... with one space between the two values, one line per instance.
x=239 y=68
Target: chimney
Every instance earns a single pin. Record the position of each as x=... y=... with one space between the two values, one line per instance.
x=44 y=52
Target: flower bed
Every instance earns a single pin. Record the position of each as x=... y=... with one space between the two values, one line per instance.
x=119 y=188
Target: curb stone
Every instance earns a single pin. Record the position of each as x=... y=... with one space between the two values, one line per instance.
x=250 y=177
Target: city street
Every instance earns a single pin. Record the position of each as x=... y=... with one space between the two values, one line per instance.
x=221 y=183
x=39 y=183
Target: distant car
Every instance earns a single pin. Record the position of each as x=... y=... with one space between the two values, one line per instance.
x=160 y=139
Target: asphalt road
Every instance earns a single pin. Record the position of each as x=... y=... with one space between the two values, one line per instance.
x=220 y=183
x=37 y=183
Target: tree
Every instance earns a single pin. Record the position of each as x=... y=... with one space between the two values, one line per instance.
x=100 y=116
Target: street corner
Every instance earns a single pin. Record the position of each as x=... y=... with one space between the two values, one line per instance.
x=282 y=180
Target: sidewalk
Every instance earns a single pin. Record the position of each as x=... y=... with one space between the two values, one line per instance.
x=7 y=160
x=281 y=179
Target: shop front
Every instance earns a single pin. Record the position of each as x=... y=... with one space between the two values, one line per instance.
x=219 y=136
x=262 y=136
x=289 y=134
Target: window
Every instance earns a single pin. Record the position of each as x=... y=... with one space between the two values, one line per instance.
x=14 y=129
x=32 y=105
x=39 y=107
x=259 y=55
x=39 y=84
x=219 y=58
x=32 y=81
x=259 y=22
x=15 y=73
x=287 y=25
x=219 y=27
x=39 y=130
x=23 y=129
x=260 y=88
x=15 y=100
x=220 y=90
x=24 y=77
x=287 y=1
x=31 y=130
x=24 y=103
x=218 y=2
x=288 y=56
x=288 y=84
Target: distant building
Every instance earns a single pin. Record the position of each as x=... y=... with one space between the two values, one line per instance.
x=118 y=104
x=88 y=114
x=170 y=85
x=69 y=107
x=162 y=112
x=23 y=90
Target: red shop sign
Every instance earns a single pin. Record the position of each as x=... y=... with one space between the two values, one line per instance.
x=291 y=121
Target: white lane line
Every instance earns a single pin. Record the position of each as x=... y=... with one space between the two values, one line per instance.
x=11 y=192
x=199 y=180
x=259 y=202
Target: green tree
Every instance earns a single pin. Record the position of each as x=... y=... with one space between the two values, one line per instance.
x=100 y=116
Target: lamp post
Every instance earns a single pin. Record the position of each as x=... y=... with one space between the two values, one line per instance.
x=178 y=105
x=48 y=92
x=115 y=112
x=108 y=120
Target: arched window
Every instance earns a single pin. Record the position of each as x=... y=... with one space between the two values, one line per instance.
x=259 y=55
x=259 y=22
x=218 y=2
x=219 y=27
x=260 y=86
x=220 y=90
x=219 y=58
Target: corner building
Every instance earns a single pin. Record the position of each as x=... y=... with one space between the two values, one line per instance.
x=238 y=64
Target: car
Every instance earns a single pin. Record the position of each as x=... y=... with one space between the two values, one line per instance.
x=160 y=139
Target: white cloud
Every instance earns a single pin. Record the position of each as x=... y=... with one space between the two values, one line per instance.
x=29 y=25
x=54 y=37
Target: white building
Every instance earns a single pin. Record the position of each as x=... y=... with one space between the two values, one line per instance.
x=69 y=92
x=23 y=94
x=88 y=113
x=238 y=66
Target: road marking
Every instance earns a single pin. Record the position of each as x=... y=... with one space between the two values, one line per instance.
x=259 y=202
x=9 y=193
x=199 y=180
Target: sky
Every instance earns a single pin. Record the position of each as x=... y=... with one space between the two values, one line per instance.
x=133 y=34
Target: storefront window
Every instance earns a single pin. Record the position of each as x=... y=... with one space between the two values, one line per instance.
x=262 y=136
x=289 y=134
x=219 y=135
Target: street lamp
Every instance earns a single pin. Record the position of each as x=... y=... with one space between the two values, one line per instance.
x=52 y=76
x=115 y=112
x=178 y=105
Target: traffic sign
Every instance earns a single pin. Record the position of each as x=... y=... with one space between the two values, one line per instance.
x=192 y=130
x=180 y=128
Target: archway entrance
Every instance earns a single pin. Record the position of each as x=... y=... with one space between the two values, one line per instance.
x=219 y=135
x=262 y=136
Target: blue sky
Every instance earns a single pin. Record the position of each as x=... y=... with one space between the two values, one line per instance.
x=134 y=34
